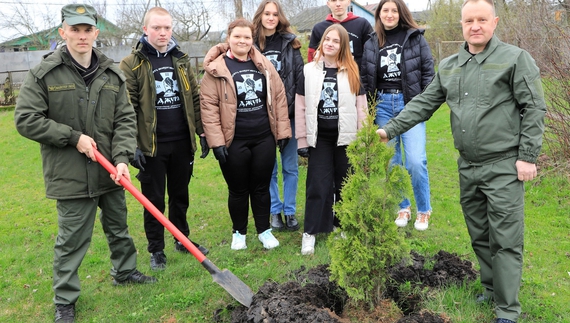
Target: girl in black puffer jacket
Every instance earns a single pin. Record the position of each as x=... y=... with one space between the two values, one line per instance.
x=275 y=40
x=396 y=66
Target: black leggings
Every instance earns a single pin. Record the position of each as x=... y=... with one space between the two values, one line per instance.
x=247 y=172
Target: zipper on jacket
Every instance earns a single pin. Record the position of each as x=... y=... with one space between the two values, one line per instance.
x=270 y=104
x=184 y=78
x=225 y=87
x=154 y=119
x=186 y=81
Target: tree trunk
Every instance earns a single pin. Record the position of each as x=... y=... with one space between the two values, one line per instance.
x=239 y=8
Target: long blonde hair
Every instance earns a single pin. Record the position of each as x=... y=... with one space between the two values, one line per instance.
x=344 y=57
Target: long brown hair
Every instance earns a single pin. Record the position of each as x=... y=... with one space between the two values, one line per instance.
x=406 y=21
x=343 y=57
x=283 y=26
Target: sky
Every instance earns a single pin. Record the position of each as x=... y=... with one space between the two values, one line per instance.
x=416 y=5
x=53 y=8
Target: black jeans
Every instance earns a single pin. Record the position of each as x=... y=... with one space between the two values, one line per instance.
x=328 y=166
x=247 y=172
x=171 y=168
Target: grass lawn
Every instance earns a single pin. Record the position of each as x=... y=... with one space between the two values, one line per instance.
x=185 y=291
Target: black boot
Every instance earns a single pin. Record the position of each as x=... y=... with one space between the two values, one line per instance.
x=291 y=222
x=277 y=222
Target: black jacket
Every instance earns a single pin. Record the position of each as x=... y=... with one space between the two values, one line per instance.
x=417 y=64
x=292 y=70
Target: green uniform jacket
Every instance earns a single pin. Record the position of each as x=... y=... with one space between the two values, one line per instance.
x=55 y=107
x=496 y=101
x=142 y=89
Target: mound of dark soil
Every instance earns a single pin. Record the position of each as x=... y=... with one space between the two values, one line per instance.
x=312 y=297
x=447 y=269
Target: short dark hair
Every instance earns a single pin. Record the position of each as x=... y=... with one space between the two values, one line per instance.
x=491 y=2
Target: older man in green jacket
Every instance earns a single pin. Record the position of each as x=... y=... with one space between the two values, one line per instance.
x=73 y=102
x=497 y=107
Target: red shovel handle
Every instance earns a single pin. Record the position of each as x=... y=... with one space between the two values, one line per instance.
x=150 y=207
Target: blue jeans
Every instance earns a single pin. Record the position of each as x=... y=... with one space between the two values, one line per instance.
x=290 y=170
x=414 y=143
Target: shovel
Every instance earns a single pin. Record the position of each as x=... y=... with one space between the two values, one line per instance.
x=233 y=285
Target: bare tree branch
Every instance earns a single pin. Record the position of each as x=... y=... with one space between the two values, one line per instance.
x=26 y=20
x=191 y=20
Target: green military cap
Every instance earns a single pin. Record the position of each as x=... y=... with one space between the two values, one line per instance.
x=77 y=13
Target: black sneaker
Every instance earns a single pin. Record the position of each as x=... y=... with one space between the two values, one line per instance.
x=504 y=321
x=277 y=222
x=158 y=260
x=178 y=246
x=136 y=277
x=64 y=313
x=291 y=222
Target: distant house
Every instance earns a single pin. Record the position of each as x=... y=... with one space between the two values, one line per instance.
x=304 y=21
x=50 y=39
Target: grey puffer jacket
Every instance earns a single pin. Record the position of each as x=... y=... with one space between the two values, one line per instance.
x=417 y=64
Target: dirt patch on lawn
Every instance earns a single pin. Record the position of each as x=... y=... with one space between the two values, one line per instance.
x=312 y=297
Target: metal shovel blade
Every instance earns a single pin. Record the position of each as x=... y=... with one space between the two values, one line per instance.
x=233 y=285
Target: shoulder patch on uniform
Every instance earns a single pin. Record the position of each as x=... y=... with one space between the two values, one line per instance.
x=489 y=66
x=61 y=87
x=111 y=87
x=450 y=71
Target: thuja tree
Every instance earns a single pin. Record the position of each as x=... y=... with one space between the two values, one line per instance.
x=369 y=242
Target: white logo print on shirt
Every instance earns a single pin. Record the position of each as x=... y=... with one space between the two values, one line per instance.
x=249 y=86
x=168 y=85
x=329 y=95
x=274 y=61
x=392 y=59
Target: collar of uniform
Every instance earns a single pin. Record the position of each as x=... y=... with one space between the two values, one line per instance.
x=465 y=55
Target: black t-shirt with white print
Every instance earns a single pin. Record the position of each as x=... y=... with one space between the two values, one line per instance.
x=171 y=122
x=272 y=51
x=252 y=120
x=390 y=64
x=327 y=115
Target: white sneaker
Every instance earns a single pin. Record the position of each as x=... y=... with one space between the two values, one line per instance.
x=308 y=244
x=238 y=241
x=404 y=215
x=422 y=221
x=268 y=240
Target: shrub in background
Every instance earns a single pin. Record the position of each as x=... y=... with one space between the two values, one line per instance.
x=369 y=242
